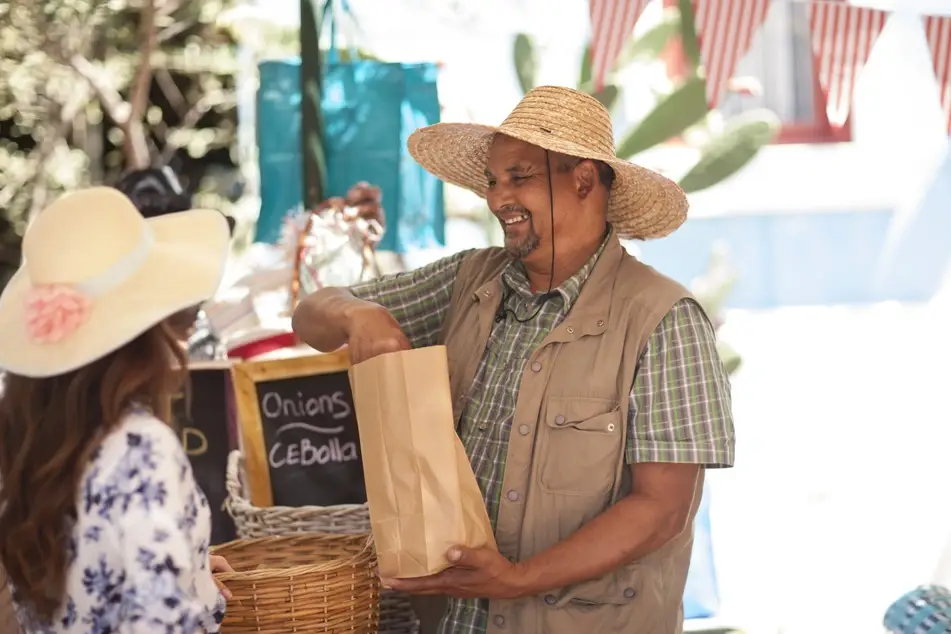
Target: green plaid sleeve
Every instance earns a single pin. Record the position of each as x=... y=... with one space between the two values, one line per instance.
x=417 y=299
x=681 y=409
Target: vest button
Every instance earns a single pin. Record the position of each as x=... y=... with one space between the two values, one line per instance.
x=523 y=430
x=512 y=496
x=487 y=293
x=570 y=330
x=559 y=420
x=600 y=323
x=550 y=599
x=499 y=620
x=629 y=593
x=536 y=367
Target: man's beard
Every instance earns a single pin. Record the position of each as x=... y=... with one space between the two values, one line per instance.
x=521 y=247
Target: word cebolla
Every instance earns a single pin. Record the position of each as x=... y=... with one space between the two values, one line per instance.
x=306 y=454
x=335 y=405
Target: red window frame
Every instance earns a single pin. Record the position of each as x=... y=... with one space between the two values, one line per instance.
x=819 y=130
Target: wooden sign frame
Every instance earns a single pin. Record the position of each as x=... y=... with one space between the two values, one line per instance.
x=250 y=427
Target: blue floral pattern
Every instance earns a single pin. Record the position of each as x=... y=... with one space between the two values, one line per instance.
x=139 y=550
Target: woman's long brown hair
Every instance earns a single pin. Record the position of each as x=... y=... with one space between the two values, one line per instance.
x=49 y=429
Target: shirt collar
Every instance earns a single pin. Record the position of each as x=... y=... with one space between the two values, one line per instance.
x=515 y=279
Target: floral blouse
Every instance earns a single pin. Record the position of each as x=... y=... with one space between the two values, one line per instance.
x=139 y=547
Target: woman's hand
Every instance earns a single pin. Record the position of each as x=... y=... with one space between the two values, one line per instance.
x=220 y=564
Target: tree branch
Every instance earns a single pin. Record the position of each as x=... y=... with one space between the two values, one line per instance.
x=191 y=119
x=113 y=103
x=135 y=143
x=142 y=82
x=50 y=141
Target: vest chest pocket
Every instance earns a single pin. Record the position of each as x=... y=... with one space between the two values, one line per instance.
x=582 y=446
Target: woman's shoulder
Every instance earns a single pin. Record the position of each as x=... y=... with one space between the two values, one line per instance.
x=141 y=458
x=140 y=432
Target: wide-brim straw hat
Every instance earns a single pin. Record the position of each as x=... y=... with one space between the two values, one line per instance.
x=642 y=203
x=96 y=275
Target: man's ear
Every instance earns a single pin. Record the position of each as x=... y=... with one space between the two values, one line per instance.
x=586 y=177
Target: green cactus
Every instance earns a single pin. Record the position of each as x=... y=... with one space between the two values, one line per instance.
x=652 y=43
x=607 y=96
x=676 y=112
x=526 y=63
x=729 y=152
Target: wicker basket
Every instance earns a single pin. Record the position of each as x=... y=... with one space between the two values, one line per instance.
x=396 y=612
x=312 y=582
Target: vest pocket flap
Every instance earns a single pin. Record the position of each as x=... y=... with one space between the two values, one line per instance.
x=580 y=449
x=584 y=414
x=615 y=588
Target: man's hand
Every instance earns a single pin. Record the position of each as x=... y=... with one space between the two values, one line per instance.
x=373 y=331
x=480 y=573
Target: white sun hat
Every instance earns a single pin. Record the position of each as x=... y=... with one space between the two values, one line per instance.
x=96 y=275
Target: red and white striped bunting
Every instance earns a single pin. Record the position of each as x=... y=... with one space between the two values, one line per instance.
x=725 y=29
x=842 y=39
x=938 y=32
x=612 y=22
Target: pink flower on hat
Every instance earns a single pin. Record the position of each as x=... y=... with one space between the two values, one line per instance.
x=54 y=312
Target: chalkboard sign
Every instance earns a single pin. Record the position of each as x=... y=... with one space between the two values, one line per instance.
x=203 y=420
x=299 y=431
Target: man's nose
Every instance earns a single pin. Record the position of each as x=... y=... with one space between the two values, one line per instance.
x=498 y=198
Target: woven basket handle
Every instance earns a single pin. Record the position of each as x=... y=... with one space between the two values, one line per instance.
x=233 y=478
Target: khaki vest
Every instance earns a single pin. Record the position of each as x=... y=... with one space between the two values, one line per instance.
x=571 y=414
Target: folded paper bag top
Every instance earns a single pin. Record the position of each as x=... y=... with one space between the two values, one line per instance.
x=423 y=496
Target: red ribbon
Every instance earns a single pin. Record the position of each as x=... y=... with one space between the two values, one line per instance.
x=262 y=346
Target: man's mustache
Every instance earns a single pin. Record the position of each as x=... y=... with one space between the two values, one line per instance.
x=511 y=209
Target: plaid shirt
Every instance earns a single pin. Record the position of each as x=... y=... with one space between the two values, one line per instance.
x=680 y=407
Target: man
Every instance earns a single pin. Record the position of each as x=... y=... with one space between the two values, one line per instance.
x=587 y=388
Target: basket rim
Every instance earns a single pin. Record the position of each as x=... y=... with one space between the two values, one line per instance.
x=299 y=570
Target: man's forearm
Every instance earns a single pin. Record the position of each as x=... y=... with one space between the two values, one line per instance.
x=631 y=529
x=321 y=318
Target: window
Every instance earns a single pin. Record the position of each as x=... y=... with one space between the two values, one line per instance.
x=780 y=61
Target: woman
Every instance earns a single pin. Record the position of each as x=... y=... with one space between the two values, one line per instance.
x=102 y=528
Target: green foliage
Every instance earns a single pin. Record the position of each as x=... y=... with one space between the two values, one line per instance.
x=77 y=103
x=652 y=44
x=673 y=114
x=525 y=63
x=729 y=152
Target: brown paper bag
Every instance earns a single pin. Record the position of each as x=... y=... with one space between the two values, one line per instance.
x=422 y=494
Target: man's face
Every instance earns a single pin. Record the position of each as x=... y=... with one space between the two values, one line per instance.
x=517 y=177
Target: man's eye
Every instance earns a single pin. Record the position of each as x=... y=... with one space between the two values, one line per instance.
x=517 y=177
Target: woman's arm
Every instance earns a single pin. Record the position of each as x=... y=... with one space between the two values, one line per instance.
x=160 y=519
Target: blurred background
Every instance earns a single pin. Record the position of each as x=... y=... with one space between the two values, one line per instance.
x=812 y=138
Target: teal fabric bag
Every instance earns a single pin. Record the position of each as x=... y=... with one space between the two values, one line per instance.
x=280 y=159
x=369 y=109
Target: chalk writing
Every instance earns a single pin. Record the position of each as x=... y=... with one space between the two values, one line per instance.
x=312 y=448
x=335 y=405
x=194 y=441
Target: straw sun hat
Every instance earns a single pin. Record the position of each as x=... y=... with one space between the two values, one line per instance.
x=643 y=204
x=96 y=275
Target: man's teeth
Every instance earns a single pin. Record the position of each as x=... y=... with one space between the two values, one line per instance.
x=516 y=219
